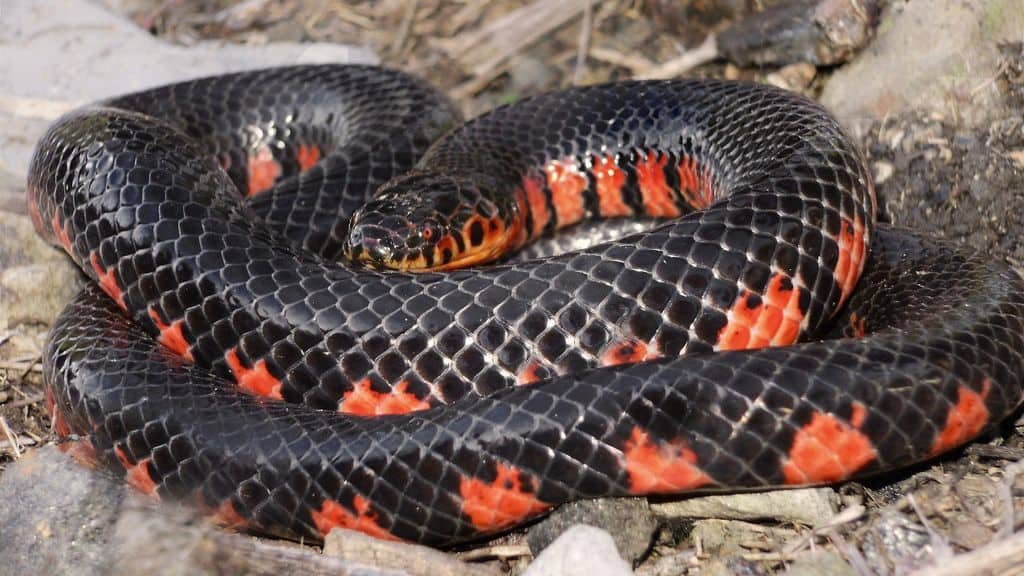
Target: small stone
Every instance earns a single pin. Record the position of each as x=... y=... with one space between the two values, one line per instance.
x=580 y=551
x=629 y=520
x=809 y=506
x=795 y=77
x=883 y=171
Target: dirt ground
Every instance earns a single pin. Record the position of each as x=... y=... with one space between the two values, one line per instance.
x=933 y=172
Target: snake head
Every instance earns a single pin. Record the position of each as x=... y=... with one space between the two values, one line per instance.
x=424 y=222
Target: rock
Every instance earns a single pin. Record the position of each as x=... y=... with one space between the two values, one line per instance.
x=906 y=68
x=411 y=559
x=795 y=77
x=580 y=551
x=102 y=54
x=171 y=541
x=629 y=520
x=809 y=506
x=820 y=563
x=36 y=281
x=896 y=541
x=722 y=538
x=820 y=32
x=57 y=517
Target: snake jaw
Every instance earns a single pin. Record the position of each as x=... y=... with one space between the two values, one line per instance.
x=431 y=222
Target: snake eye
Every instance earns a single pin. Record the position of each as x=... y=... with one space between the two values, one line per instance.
x=427 y=233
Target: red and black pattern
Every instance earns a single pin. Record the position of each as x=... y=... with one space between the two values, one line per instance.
x=211 y=315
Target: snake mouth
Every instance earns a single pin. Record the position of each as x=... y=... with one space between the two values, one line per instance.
x=422 y=248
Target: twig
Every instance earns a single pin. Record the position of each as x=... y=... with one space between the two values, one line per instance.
x=633 y=62
x=1003 y=557
x=28 y=401
x=706 y=52
x=478 y=83
x=405 y=26
x=1009 y=521
x=28 y=367
x=583 y=45
x=488 y=47
x=940 y=547
x=499 y=551
x=10 y=438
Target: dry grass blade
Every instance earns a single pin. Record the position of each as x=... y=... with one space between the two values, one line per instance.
x=499 y=551
x=11 y=439
x=706 y=52
x=999 y=558
x=583 y=46
x=482 y=50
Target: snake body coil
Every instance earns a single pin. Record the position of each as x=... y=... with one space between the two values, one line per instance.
x=209 y=213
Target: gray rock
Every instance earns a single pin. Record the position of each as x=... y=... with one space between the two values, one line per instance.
x=580 y=551
x=821 y=32
x=939 y=55
x=628 y=520
x=810 y=506
x=57 y=517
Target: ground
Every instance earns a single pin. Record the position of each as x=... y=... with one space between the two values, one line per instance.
x=948 y=170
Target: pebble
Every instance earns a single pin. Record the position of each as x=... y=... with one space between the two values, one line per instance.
x=629 y=521
x=580 y=551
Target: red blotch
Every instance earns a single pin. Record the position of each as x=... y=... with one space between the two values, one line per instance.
x=263 y=170
x=172 y=336
x=852 y=248
x=333 y=515
x=33 y=209
x=610 y=179
x=505 y=501
x=107 y=280
x=81 y=451
x=655 y=191
x=538 y=205
x=828 y=449
x=533 y=372
x=567 y=184
x=859 y=325
x=138 y=473
x=307 y=156
x=694 y=183
x=363 y=400
x=256 y=380
x=57 y=422
x=965 y=420
x=774 y=321
x=226 y=515
x=664 y=468
x=60 y=233
x=858 y=414
x=628 y=352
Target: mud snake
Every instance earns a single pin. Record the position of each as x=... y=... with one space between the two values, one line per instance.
x=440 y=406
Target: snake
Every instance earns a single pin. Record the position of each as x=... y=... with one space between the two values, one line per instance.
x=306 y=311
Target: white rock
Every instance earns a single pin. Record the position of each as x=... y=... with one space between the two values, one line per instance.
x=56 y=54
x=580 y=551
